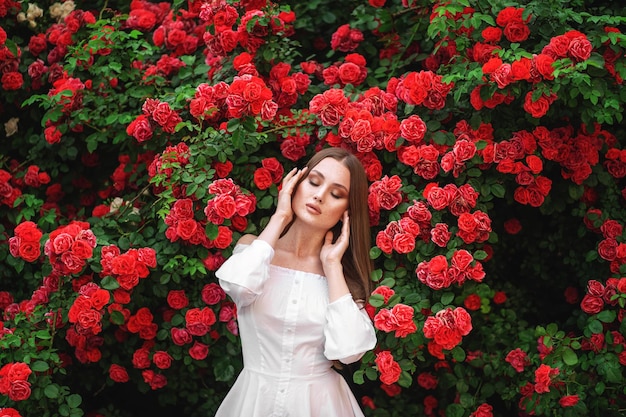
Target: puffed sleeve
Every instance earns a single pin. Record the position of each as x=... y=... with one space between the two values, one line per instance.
x=243 y=274
x=349 y=332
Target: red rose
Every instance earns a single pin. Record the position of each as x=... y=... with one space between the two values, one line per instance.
x=140 y=129
x=543 y=378
x=472 y=302
x=212 y=294
x=580 y=49
x=388 y=368
x=387 y=292
x=162 y=359
x=12 y=80
x=592 y=304
x=350 y=73
x=224 y=237
x=29 y=250
x=177 y=299
x=538 y=108
x=518 y=359
x=568 y=401
x=180 y=337
x=447 y=338
x=199 y=351
x=543 y=64
x=82 y=249
x=19 y=390
x=483 y=410
x=516 y=31
x=404 y=317
x=403 y=242
x=118 y=373
x=427 y=380
x=141 y=358
x=385 y=321
x=263 y=178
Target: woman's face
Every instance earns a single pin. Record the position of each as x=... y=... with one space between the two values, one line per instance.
x=322 y=197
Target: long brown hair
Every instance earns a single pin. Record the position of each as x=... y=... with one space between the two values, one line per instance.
x=356 y=262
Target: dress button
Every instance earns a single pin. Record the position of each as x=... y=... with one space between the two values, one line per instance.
x=294 y=301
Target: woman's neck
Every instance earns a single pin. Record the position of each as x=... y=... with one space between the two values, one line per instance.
x=302 y=242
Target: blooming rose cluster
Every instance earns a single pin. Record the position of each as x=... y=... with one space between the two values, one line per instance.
x=208 y=101
x=352 y=71
x=398 y=319
x=388 y=368
x=11 y=78
x=423 y=88
x=161 y=167
x=128 y=267
x=599 y=294
x=25 y=243
x=615 y=162
x=69 y=247
x=142 y=323
x=447 y=327
x=177 y=32
x=384 y=194
x=437 y=274
x=248 y=95
x=229 y=202
x=161 y=113
x=330 y=106
x=144 y=15
x=572 y=44
x=86 y=314
x=462 y=151
x=399 y=236
x=610 y=248
x=515 y=27
x=14 y=381
x=253 y=29
x=270 y=172
x=9 y=191
x=182 y=224
x=346 y=39
x=458 y=200
x=286 y=87
x=544 y=376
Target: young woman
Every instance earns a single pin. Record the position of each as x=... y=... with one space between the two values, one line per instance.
x=300 y=288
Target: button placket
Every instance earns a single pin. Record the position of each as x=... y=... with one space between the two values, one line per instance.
x=288 y=340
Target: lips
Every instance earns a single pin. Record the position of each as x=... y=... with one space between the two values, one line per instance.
x=314 y=208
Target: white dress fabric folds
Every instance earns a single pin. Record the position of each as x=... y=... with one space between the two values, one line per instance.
x=290 y=334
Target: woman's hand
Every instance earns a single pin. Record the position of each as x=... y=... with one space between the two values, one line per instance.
x=331 y=253
x=288 y=186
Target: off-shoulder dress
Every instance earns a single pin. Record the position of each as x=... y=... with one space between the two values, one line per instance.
x=290 y=334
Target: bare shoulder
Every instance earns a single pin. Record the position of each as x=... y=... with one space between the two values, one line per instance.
x=246 y=239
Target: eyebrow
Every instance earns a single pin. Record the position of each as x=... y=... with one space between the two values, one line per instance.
x=336 y=184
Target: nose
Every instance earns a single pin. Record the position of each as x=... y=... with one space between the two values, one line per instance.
x=318 y=198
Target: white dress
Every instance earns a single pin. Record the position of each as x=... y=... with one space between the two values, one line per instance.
x=290 y=333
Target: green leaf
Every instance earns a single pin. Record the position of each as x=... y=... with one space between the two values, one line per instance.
x=455 y=410
x=377 y=300
x=74 y=400
x=447 y=298
x=39 y=366
x=569 y=357
x=109 y=283
x=51 y=391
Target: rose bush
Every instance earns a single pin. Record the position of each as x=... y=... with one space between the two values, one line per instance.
x=142 y=139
